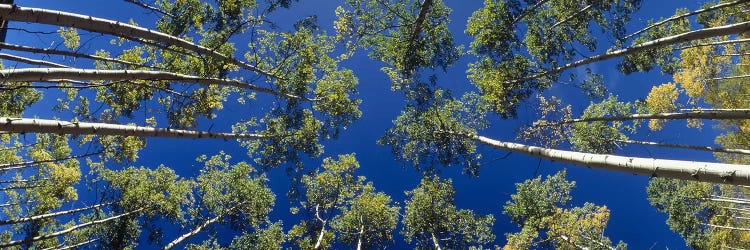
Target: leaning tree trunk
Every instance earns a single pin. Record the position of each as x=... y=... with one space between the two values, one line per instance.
x=435 y=241
x=47 y=74
x=693 y=147
x=712 y=114
x=55 y=214
x=25 y=60
x=26 y=164
x=46 y=51
x=685 y=170
x=66 y=231
x=192 y=233
x=74 y=246
x=527 y=11
x=695 y=12
x=105 y=26
x=25 y=125
x=568 y=18
x=653 y=44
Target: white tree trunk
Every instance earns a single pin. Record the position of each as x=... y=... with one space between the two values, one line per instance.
x=105 y=26
x=47 y=74
x=192 y=233
x=46 y=51
x=68 y=230
x=16 y=165
x=732 y=41
x=573 y=15
x=74 y=246
x=435 y=241
x=527 y=11
x=359 y=237
x=30 y=61
x=25 y=125
x=685 y=170
x=653 y=44
x=695 y=12
x=694 y=147
x=724 y=114
x=50 y=215
x=726 y=227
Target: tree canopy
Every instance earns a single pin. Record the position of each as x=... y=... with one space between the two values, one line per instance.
x=368 y=124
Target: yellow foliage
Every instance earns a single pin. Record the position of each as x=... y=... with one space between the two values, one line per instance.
x=661 y=99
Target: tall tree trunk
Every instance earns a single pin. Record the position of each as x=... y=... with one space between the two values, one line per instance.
x=728 y=77
x=149 y=7
x=527 y=11
x=192 y=233
x=435 y=241
x=684 y=170
x=55 y=214
x=729 y=200
x=66 y=231
x=105 y=26
x=30 y=163
x=573 y=15
x=46 y=51
x=694 y=147
x=46 y=74
x=74 y=246
x=726 y=227
x=732 y=41
x=725 y=114
x=24 y=125
x=30 y=61
x=695 y=12
x=359 y=237
x=653 y=44
x=322 y=227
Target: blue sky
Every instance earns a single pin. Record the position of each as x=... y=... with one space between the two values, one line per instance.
x=633 y=220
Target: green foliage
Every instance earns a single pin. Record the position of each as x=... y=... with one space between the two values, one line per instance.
x=438 y=134
x=538 y=207
x=368 y=220
x=431 y=218
x=682 y=202
x=601 y=137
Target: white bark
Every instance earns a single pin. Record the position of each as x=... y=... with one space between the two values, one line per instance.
x=732 y=41
x=30 y=61
x=192 y=233
x=728 y=77
x=694 y=147
x=725 y=114
x=527 y=11
x=25 y=125
x=676 y=169
x=50 y=215
x=322 y=227
x=68 y=230
x=729 y=200
x=45 y=51
x=695 y=12
x=726 y=227
x=149 y=7
x=653 y=44
x=47 y=74
x=106 y=26
x=435 y=241
x=573 y=15
x=8 y=166
x=359 y=237
x=74 y=246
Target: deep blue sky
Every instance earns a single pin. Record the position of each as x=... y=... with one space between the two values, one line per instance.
x=633 y=220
